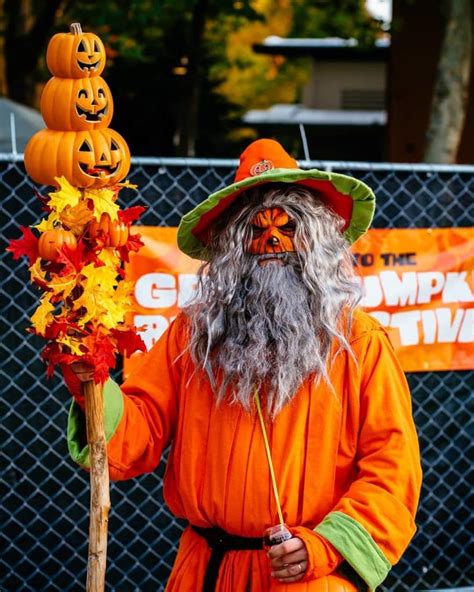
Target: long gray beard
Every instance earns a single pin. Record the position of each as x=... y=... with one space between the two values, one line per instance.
x=271 y=327
x=268 y=340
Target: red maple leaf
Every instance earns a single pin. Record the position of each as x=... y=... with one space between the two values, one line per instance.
x=41 y=283
x=44 y=202
x=72 y=260
x=131 y=214
x=26 y=245
x=101 y=356
x=133 y=244
x=60 y=327
x=128 y=341
x=53 y=355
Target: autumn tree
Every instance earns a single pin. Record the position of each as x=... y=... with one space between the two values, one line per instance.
x=450 y=93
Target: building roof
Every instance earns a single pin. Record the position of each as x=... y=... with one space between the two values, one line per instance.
x=281 y=114
x=26 y=122
x=327 y=48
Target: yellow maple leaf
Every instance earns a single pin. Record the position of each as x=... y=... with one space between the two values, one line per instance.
x=48 y=223
x=63 y=285
x=117 y=305
x=42 y=315
x=36 y=272
x=110 y=257
x=66 y=195
x=72 y=343
x=88 y=303
x=98 y=284
x=98 y=276
x=104 y=202
x=127 y=185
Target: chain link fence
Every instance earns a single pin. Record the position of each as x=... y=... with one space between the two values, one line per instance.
x=45 y=497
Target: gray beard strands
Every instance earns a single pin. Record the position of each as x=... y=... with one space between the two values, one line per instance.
x=271 y=327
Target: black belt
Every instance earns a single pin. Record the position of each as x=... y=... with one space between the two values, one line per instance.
x=220 y=542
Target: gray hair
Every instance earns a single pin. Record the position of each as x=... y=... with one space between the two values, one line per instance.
x=271 y=327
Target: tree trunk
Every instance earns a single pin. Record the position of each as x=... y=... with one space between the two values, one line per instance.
x=449 y=103
x=190 y=111
x=99 y=493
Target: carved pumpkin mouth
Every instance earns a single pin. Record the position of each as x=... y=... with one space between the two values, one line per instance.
x=88 y=67
x=99 y=170
x=91 y=117
x=277 y=258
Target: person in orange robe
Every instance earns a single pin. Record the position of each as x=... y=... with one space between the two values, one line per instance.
x=275 y=317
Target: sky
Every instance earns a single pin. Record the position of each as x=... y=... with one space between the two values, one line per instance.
x=380 y=9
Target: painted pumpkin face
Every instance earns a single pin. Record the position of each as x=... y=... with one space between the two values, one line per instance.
x=77 y=104
x=87 y=159
x=272 y=232
x=75 y=54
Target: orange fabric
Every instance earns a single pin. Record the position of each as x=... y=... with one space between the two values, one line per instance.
x=265 y=155
x=261 y=156
x=353 y=450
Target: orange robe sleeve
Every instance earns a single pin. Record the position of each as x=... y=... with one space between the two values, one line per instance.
x=372 y=524
x=140 y=416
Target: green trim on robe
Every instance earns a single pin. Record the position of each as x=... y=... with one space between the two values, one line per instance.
x=76 y=426
x=357 y=547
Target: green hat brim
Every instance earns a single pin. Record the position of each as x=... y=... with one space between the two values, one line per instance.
x=331 y=186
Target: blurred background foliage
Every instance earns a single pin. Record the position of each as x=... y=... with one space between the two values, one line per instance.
x=182 y=72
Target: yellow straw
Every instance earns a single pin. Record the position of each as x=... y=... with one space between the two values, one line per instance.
x=269 y=458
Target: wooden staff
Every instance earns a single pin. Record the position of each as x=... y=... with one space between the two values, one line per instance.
x=99 y=479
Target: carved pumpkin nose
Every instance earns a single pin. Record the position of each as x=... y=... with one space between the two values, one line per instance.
x=103 y=157
x=272 y=232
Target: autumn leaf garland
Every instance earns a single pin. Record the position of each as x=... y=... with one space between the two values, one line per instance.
x=85 y=299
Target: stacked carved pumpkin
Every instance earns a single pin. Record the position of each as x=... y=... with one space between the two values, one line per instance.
x=77 y=107
x=85 y=237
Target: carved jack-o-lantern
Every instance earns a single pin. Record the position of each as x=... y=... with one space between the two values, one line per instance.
x=272 y=232
x=75 y=54
x=77 y=104
x=87 y=159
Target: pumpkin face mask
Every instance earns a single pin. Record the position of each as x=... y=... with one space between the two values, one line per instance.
x=272 y=232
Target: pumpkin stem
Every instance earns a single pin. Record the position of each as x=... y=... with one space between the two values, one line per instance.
x=75 y=28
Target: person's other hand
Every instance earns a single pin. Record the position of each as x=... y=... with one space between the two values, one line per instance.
x=289 y=560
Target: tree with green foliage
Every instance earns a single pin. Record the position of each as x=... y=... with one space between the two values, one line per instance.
x=169 y=64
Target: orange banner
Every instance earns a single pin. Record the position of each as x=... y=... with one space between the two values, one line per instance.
x=417 y=282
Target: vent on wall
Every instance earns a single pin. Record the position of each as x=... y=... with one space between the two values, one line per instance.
x=367 y=100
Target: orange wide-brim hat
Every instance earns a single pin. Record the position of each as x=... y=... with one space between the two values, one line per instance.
x=266 y=161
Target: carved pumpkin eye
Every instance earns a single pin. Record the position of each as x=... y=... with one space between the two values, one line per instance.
x=101 y=93
x=96 y=46
x=85 y=147
x=288 y=228
x=81 y=46
x=113 y=145
x=257 y=230
x=82 y=94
